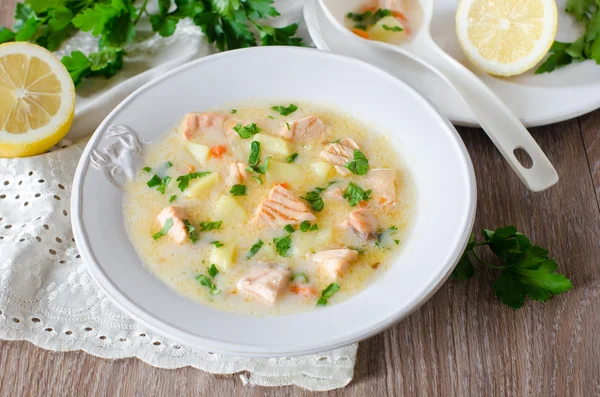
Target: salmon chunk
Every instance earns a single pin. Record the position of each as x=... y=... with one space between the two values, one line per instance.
x=283 y=207
x=363 y=222
x=383 y=183
x=196 y=123
x=339 y=154
x=265 y=282
x=178 y=231
x=304 y=130
x=334 y=262
x=237 y=173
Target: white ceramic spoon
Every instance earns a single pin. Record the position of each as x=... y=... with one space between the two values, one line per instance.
x=501 y=125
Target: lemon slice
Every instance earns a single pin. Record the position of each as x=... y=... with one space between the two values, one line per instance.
x=37 y=100
x=506 y=37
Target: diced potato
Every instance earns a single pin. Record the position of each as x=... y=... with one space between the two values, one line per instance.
x=202 y=186
x=322 y=170
x=200 y=152
x=223 y=257
x=279 y=172
x=379 y=33
x=273 y=145
x=305 y=243
x=229 y=210
x=267 y=252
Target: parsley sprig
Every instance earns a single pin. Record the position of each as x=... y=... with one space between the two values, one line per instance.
x=527 y=270
x=587 y=46
x=228 y=24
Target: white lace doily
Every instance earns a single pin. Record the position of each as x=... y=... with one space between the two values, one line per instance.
x=46 y=294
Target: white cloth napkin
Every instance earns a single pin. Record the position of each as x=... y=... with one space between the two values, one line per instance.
x=46 y=294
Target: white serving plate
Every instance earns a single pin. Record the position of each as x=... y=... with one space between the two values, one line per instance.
x=441 y=168
x=536 y=99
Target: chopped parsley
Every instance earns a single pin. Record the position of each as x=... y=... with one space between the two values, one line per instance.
x=160 y=183
x=327 y=293
x=172 y=198
x=207 y=282
x=289 y=228
x=247 y=131
x=299 y=276
x=165 y=229
x=184 y=180
x=368 y=17
x=307 y=227
x=291 y=158
x=255 y=248
x=337 y=140
x=238 y=190
x=261 y=168
x=314 y=198
x=212 y=270
x=257 y=179
x=254 y=153
x=147 y=169
x=355 y=194
x=397 y=242
x=282 y=110
x=205 y=226
x=360 y=164
x=392 y=28
x=217 y=243
x=271 y=117
x=233 y=111
x=192 y=234
x=288 y=126
x=357 y=249
x=283 y=244
x=168 y=165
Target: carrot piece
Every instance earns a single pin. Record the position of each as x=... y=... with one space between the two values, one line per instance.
x=187 y=168
x=367 y=8
x=302 y=290
x=399 y=15
x=285 y=185
x=218 y=151
x=362 y=33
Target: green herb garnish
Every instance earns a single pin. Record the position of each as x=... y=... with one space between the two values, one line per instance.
x=291 y=158
x=392 y=28
x=368 y=17
x=360 y=164
x=355 y=194
x=298 y=276
x=307 y=227
x=282 y=110
x=257 y=179
x=184 y=180
x=165 y=229
x=527 y=270
x=288 y=126
x=289 y=228
x=233 y=111
x=217 y=243
x=160 y=183
x=238 y=190
x=207 y=282
x=192 y=234
x=147 y=169
x=205 y=226
x=172 y=198
x=255 y=248
x=327 y=293
x=247 y=131
x=314 y=197
x=212 y=270
x=283 y=244
x=254 y=153
x=168 y=164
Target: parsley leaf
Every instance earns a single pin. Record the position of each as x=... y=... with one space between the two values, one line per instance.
x=291 y=158
x=192 y=234
x=355 y=194
x=217 y=243
x=255 y=248
x=527 y=270
x=207 y=282
x=247 y=131
x=306 y=227
x=165 y=229
x=257 y=179
x=283 y=244
x=360 y=164
x=160 y=183
x=314 y=197
x=147 y=169
x=327 y=293
x=212 y=270
x=168 y=164
x=238 y=190
x=184 y=180
x=285 y=111
x=205 y=226
x=172 y=198
x=392 y=28
x=289 y=228
x=254 y=153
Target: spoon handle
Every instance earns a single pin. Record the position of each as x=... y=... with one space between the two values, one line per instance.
x=501 y=125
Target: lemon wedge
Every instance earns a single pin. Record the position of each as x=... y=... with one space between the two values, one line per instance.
x=37 y=100
x=506 y=37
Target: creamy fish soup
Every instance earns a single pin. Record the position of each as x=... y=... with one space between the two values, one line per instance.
x=264 y=208
x=391 y=21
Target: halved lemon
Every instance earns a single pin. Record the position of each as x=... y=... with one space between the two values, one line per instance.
x=506 y=37
x=37 y=100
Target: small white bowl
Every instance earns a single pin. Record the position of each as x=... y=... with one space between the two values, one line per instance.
x=433 y=150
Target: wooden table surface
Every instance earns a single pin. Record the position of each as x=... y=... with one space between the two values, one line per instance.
x=462 y=342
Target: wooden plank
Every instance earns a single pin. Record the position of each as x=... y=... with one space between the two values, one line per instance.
x=590 y=130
